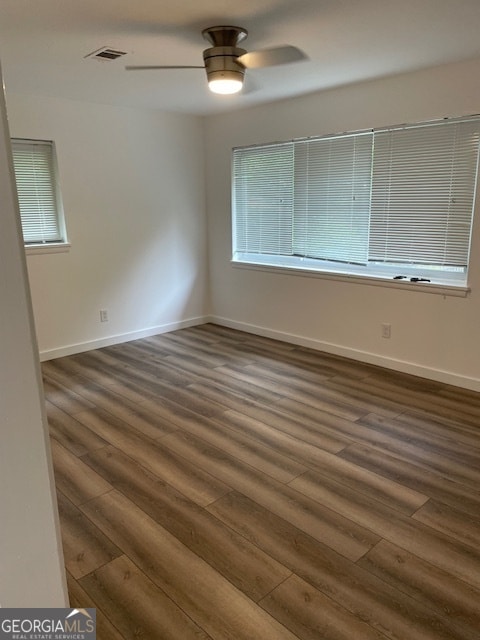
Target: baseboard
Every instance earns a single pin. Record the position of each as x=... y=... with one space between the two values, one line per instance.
x=437 y=375
x=69 y=350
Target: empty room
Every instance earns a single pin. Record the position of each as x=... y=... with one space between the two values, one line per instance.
x=239 y=318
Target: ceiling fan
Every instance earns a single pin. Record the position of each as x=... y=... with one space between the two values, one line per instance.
x=225 y=62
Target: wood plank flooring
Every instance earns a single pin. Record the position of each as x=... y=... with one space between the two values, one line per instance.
x=222 y=486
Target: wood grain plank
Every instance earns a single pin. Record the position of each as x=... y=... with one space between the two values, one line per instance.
x=183 y=397
x=202 y=354
x=446 y=446
x=278 y=369
x=433 y=403
x=200 y=486
x=461 y=526
x=123 y=407
x=62 y=370
x=152 y=387
x=400 y=380
x=173 y=412
x=197 y=333
x=433 y=458
x=64 y=398
x=235 y=379
x=243 y=564
x=242 y=447
x=136 y=606
x=390 y=493
x=217 y=332
x=150 y=369
x=435 y=426
x=313 y=616
x=320 y=433
x=438 y=549
x=321 y=400
x=223 y=349
x=87 y=365
x=197 y=367
x=74 y=478
x=80 y=599
x=277 y=387
x=288 y=376
x=155 y=345
x=439 y=590
x=98 y=366
x=229 y=398
x=430 y=483
x=85 y=547
x=372 y=600
x=148 y=422
x=277 y=440
x=324 y=524
x=234 y=337
x=459 y=394
x=103 y=396
x=410 y=475
x=70 y=433
x=354 y=392
x=319 y=360
x=207 y=598
x=324 y=413
x=374 y=435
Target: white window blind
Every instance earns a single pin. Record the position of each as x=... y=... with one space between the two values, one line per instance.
x=37 y=191
x=332 y=198
x=263 y=193
x=384 y=203
x=423 y=194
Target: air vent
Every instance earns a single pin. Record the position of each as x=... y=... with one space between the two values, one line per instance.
x=106 y=54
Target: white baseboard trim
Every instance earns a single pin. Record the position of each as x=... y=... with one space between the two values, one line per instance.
x=437 y=375
x=69 y=350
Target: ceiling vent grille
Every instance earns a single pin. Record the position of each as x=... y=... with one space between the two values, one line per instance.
x=106 y=54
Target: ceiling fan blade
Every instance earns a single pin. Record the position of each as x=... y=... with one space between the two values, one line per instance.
x=150 y=67
x=271 y=57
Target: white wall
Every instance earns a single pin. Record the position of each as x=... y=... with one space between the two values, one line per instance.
x=432 y=335
x=133 y=192
x=31 y=561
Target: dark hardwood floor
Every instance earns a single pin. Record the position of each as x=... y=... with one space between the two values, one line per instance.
x=218 y=485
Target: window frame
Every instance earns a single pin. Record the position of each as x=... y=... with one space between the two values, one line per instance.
x=440 y=278
x=61 y=243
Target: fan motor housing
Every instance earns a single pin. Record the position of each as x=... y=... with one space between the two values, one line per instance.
x=221 y=62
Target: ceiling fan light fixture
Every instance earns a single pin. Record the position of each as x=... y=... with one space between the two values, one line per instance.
x=225 y=83
x=224 y=73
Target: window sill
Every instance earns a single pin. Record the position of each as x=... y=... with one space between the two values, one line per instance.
x=57 y=247
x=458 y=291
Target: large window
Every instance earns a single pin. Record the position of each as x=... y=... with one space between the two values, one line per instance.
x=394 y=203
x=38 y=193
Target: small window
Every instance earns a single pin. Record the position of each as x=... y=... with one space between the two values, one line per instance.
x=391 y=203
x=38 y=193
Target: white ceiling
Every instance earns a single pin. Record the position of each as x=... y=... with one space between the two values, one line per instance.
x=43 y=44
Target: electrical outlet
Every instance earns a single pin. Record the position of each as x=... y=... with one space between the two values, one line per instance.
x=103 y=315
x=386 y=330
